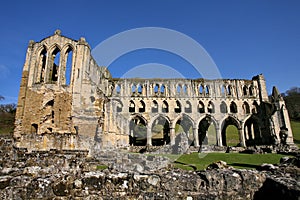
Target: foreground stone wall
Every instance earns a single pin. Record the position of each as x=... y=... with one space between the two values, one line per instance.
x=73 y=175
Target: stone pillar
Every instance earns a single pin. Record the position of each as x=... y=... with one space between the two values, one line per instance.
x=122 y=126
x=172 y=136
x=150 y=88
x=144 y=90
x=219 y=136
x=242 y=137
x=149 y=136
x=252 y=131
x=246 y=133
x=287 y=124
x=167 y=90
x=61 y=80
x=196 y=137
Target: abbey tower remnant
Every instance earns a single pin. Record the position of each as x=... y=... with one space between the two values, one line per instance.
x=68 y=102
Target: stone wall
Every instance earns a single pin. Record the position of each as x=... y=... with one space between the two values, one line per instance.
x=72 y=175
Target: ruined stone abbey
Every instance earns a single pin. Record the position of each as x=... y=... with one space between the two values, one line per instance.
x=67 y=101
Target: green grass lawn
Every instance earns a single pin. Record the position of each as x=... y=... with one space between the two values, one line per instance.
x=296 y=132
x=249 y=161
x=196 y=161
x=232 y=136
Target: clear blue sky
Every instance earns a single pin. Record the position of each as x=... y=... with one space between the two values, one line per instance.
x=244 y=38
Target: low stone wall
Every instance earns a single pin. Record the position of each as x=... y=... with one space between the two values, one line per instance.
x=73 y=175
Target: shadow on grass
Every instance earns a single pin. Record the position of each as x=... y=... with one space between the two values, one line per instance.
x=189 y=165
x=243 y=165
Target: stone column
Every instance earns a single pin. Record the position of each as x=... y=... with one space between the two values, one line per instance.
x=150 y=89
x=144 y=90
x=252 y=131
x=246 y=133
x=61 y=79
x=219 y=136
x=122 y=126
x=196 y=137
x=149 y=136
x=285 y=118
x=242 y=137
x=172 y=136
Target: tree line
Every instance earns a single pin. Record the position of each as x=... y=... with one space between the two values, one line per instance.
x=292 y=102
x=7 y=117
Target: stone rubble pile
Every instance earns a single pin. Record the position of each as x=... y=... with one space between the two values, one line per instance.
x=73 y=175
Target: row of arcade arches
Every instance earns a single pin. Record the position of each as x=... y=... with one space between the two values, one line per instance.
x=140 y=107
x=159 y=131
x=181 y=88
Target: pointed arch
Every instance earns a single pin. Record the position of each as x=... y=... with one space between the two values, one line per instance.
x=201 y=107
x=207 y=132
x=207 y=92
x=185 y=124
x=178 y=89
x=229 y=90
x=41 y=68
x=48 y=115
x=131 y=106
x=34 y=128
x=223 y=107
x=160 y=129
x=154 y=106
x=188 y=107
x=162 y=89
x=233 y=107
x=255 y=107
x=165 y=107
x=223 y=91
x=140 y=88
x=133 y=88
x=230 y=131
x=184 y=89
x=252 y=132
x=138 y=131
x=54 y=65
x=201 y=89
x=251 y=90
x=211 y=107
x=177 y=109
x=245 y=90
x=246 y=108
x=142 y=106
x=156 y=88
x=118 y=89
x=68 y=57
x=50 y=103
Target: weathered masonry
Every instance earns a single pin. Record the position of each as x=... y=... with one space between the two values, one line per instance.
x=67 y=101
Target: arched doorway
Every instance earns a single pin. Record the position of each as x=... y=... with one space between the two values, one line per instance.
x=160 y=131
x=230 y=132
x=138 y=131
x=207 y=131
